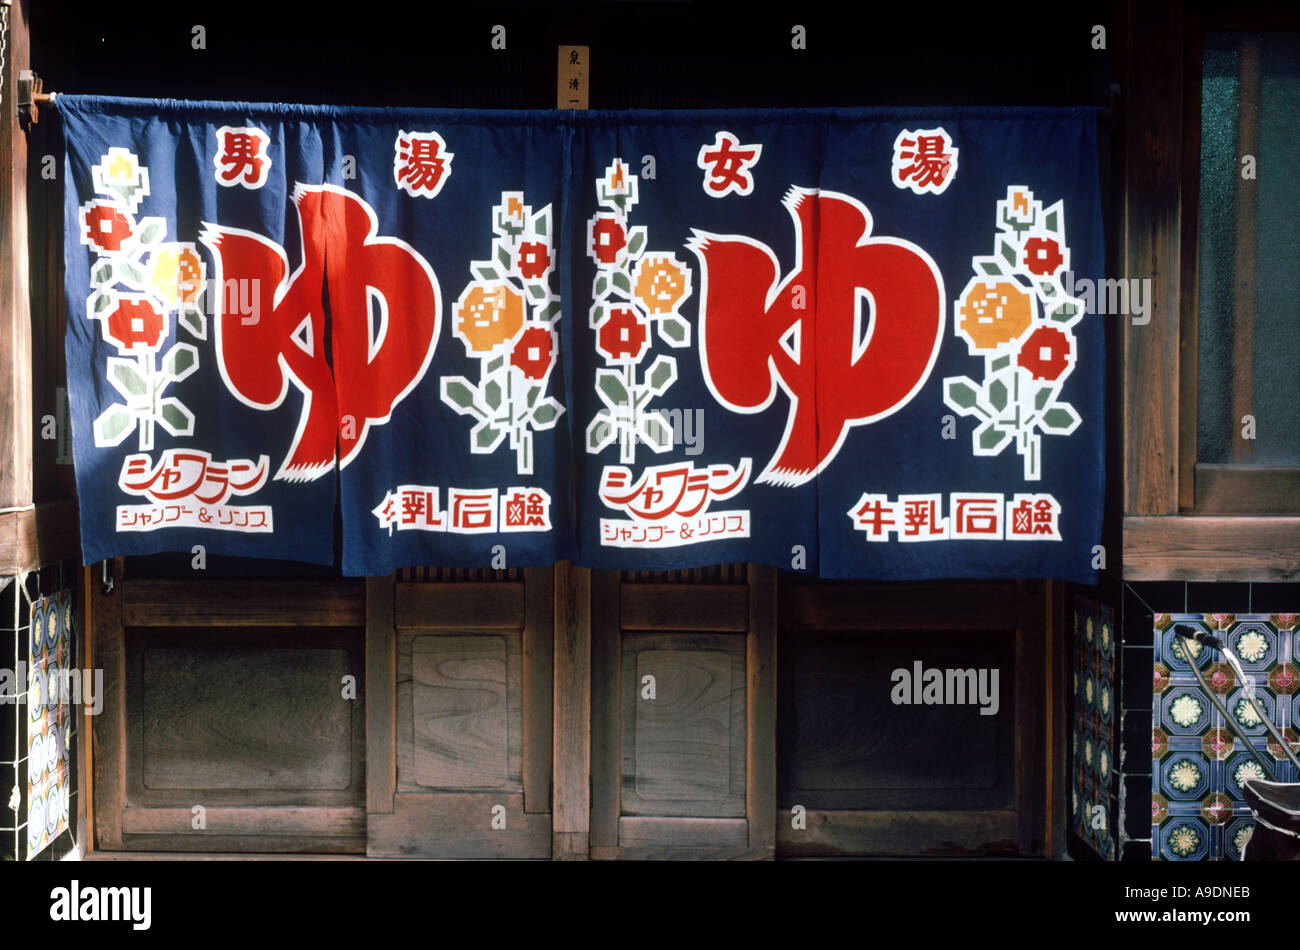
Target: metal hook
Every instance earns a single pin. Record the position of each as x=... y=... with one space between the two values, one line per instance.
x=106 y=579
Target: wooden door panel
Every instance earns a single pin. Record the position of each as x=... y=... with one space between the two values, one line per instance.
x=469 y=686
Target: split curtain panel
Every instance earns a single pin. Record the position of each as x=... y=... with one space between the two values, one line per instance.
x=848 y=342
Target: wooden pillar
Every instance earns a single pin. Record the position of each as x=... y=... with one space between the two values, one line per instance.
x=15 y=316
x=571 y=763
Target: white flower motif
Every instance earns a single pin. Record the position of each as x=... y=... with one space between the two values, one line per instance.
x=1184 y=776
x=1186 y=710
x=1246 y=714
x=1248 y=772
x=1252 y=646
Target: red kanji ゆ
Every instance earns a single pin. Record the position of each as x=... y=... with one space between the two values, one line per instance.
x=804 y=332
x=282 y=340
x=422 y=163
x=241 y=157
x=924 y=161
x=726 y=163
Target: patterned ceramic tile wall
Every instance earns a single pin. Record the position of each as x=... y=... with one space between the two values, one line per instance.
x=1093 y=800
x=38 y=626
x=1198 y=764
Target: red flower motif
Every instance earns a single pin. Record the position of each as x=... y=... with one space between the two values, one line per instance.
x=622 y=335
x=1046 y=354
x=135 y=326
x=532 y=352
x=533 y=259
x=1043 y=256
x=607 y=238
x=106 y=227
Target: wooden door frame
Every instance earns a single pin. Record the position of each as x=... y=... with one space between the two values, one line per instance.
x=713 y=608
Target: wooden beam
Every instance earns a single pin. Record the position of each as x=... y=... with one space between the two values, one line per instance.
x=109 y=729
x=380 y=695
x=1194 y=548
x=44 y=534
x=467 y=605
x=236 y=603
x=571 y=766
x=539 y=663
x=760 y=727
x=15 y=307
x=1153 y=134
x=901 y=833
x=710 y=607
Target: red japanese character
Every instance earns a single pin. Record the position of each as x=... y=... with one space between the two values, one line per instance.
x=422 y=163
x=242 y=157
x=805 y=332
x=924 y=160
x=725 y=164
x=282 y=340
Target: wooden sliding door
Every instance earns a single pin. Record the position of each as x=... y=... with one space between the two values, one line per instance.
x=460 y=732
x=682 y=714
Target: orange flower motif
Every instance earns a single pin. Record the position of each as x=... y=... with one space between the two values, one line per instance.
x=994 y=312
x=660 y=283
x=489 y=315
x=177 y=275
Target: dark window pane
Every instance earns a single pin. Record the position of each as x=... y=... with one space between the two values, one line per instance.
x=1248 y=308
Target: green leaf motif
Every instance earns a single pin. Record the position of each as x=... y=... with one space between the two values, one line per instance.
x=484 y=272
x=1043 y=397
x=602 y=285
x=503 y=256
x=102 y=272
x=991 y=267
x=676 y=330
x=127 y=378
x=661 y=375
x=537 y=291
x=1002 y=362
x=960 y=393
x=175 y=418
x=542 y=222
x=181 y=360
x=458 y=392
x=492 y=393
x=636 y=241
x=194 y=320
x=1060 y=419
x=114 y=425
x=609 y=385
x=992 y=438
x=546 y=414
x=101 y=303
x=1008 y=252
x=1065 y=313
x=1051 y=219
x=622 y=282
x=601 y=432
x=486 y=436
x=151 y=231
x=998 y=394
x=132 y=273
x=549 y=312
